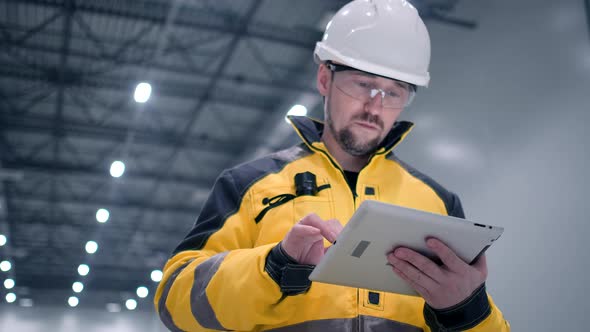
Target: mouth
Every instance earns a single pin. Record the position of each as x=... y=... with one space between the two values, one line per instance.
x=368 y=125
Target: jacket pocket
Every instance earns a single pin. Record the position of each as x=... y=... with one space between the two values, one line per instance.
x=320 y=205
x=277 y=209
x=277 y=220
x=373 y=299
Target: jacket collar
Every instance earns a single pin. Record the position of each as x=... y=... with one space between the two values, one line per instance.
x=310 y=130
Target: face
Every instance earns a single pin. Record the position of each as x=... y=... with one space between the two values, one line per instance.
x=357 y=126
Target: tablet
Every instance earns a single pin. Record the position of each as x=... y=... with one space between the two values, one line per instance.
x=358 y=258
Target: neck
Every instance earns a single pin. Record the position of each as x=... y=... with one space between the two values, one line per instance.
x=347 y=161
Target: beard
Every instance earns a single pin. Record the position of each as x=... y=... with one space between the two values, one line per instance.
x=350 y=142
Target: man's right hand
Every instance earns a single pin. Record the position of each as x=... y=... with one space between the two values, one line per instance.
x=305 y=241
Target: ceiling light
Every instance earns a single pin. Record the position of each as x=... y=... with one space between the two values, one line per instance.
x=25 y=303
x=143 y=92
x=5 y=266
x=83 y=269
x=77 y=287
x=102 y=215
x=113 y=307
x=91 y=247
x=117 y=168
x=296 y=110
x=8 y=283
x=142 y=292
x=2 y=240
x=10 y=297
x=73 y=301
x=131 y=304
x=156 y=275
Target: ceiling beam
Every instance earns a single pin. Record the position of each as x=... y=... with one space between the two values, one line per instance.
x=109 y=280
x=151 y=14
x=116 y=133
x=117 y=228
x=63 y=169
x=118 y=202
x=92 y=57
x=119 y=84
x=211 y=87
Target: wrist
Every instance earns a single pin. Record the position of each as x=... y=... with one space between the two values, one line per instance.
x=465 y=315
x=292 y=277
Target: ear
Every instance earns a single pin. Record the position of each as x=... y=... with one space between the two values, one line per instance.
x=323 y=80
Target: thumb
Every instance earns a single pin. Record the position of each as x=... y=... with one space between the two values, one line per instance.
x=481 y=264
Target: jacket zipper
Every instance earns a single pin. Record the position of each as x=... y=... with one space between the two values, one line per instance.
x=339 y=169
x=310 y=145
x=354 y=196
x=358 y=294
x=358 y=316
x=358 y=291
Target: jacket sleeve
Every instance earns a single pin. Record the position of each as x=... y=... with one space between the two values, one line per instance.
x=216 y=279
x=477 y=313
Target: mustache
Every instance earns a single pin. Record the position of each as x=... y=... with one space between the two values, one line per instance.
x=374 y=119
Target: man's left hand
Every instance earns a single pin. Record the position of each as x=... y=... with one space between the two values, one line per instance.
x=441 y=286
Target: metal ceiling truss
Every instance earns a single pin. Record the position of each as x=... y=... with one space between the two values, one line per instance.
x=63 y=64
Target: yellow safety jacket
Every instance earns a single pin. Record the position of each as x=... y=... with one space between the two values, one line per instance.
x=218 y=279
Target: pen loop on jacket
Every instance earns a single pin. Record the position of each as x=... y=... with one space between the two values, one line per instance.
x=280 y=200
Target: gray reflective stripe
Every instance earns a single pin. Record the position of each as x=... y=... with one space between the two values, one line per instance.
x=367 y=323
x=341 y=325
x=200 y=306
x=162 y=309
x=376 y=324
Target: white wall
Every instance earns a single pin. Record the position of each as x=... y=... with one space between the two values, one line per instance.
x=504 y=125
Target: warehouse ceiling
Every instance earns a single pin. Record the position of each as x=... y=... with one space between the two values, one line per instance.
x=223 y=76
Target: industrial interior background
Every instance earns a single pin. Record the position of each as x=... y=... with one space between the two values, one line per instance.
x=503 y=124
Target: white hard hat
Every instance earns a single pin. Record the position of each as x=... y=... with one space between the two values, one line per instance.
x=383 y=37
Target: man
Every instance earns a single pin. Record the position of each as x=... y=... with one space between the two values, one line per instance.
x=245 y=264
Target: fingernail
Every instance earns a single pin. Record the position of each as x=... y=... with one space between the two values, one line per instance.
x=431 y=243
x=400 y=253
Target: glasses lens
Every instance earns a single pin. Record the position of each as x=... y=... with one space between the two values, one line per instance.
x=363 y=87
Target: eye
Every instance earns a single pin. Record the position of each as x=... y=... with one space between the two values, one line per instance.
x=364 y=84
x=393 y=94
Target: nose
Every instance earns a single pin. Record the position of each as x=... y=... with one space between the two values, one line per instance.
x=374 y=103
